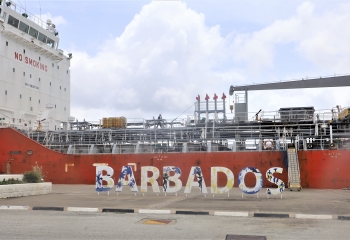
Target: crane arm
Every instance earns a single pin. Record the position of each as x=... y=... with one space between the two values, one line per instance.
x=322 y=82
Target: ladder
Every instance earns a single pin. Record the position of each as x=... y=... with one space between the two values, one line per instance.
x=293 y=170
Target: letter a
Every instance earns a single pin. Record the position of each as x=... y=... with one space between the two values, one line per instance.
x=126 y=172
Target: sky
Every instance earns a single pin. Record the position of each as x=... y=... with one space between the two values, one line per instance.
x=138 y=58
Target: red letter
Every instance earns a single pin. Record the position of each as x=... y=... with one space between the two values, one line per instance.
x=16 y=55
x=26 y=58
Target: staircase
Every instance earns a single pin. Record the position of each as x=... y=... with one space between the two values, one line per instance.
x=293 y=170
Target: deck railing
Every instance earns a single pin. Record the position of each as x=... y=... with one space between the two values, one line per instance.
x=19 y=9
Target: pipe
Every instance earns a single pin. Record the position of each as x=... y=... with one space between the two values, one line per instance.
x=331 y=133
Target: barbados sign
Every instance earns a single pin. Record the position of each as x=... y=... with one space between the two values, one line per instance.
x=126 y=178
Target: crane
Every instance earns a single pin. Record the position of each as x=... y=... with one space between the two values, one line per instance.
x=241 y=109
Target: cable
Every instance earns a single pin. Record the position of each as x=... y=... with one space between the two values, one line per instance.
x=183 y=112
x=20 y=4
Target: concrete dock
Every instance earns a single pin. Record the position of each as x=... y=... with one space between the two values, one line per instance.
x=307 y=201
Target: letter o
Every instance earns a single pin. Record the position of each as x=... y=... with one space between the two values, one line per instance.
x=259 y=180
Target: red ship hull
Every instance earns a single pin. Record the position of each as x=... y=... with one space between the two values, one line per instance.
x=324 y=169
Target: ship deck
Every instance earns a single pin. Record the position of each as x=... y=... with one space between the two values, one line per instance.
x=190 y=136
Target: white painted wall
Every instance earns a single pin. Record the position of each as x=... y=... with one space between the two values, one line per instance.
x=9 y=176
x=25 y=90
x=22 y=190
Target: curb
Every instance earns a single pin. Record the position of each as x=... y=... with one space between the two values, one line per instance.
x=154 y=211
x=272 y=215
x=14 y=207
x=48 y=208
x=184 y=212
x=310 y=216
x=118 y=210
x=191 y=212
x=231 y=214
x=80 y=209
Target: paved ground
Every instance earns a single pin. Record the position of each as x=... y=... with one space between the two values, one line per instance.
x=73 y=225
x=307 y=201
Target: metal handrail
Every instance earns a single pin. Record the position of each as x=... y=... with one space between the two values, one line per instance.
x=19 y=9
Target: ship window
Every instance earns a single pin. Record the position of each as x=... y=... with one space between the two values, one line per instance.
x=39 y=79
x=33 y=32
x=64 y=108
x=20 y=96
x=24 y=73
x=58 y=67
x=39 y=100
x=24 y=51
x=13 y=21
x=64 y=89
x=42 y=37
x=31 y=108
x=30 y=75
x=5 y=92
x=55 y=105
x=13 y=69
x=52 y=64
x=67 y=71
x=50 y=83
x=39 y=58
x=50 y=42
x=30 y=98
x=60 y=87
x=7 y=43
x=24 y=27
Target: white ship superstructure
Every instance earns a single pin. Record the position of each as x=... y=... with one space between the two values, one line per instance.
x=34 y=73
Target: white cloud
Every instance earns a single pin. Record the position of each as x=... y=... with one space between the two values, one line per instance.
x=320 y=38
x=167 y=55
x=163 y=59
x=57 y=20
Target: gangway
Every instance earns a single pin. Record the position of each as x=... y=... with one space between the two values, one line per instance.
x=293 y=170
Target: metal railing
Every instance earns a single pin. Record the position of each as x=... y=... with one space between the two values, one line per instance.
x=215 y=134
x=19 y=9
x=198 y=138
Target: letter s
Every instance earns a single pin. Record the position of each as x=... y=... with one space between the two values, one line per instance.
x=272 y=179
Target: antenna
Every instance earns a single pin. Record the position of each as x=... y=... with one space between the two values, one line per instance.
x=20 y=4
x=40 y=8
